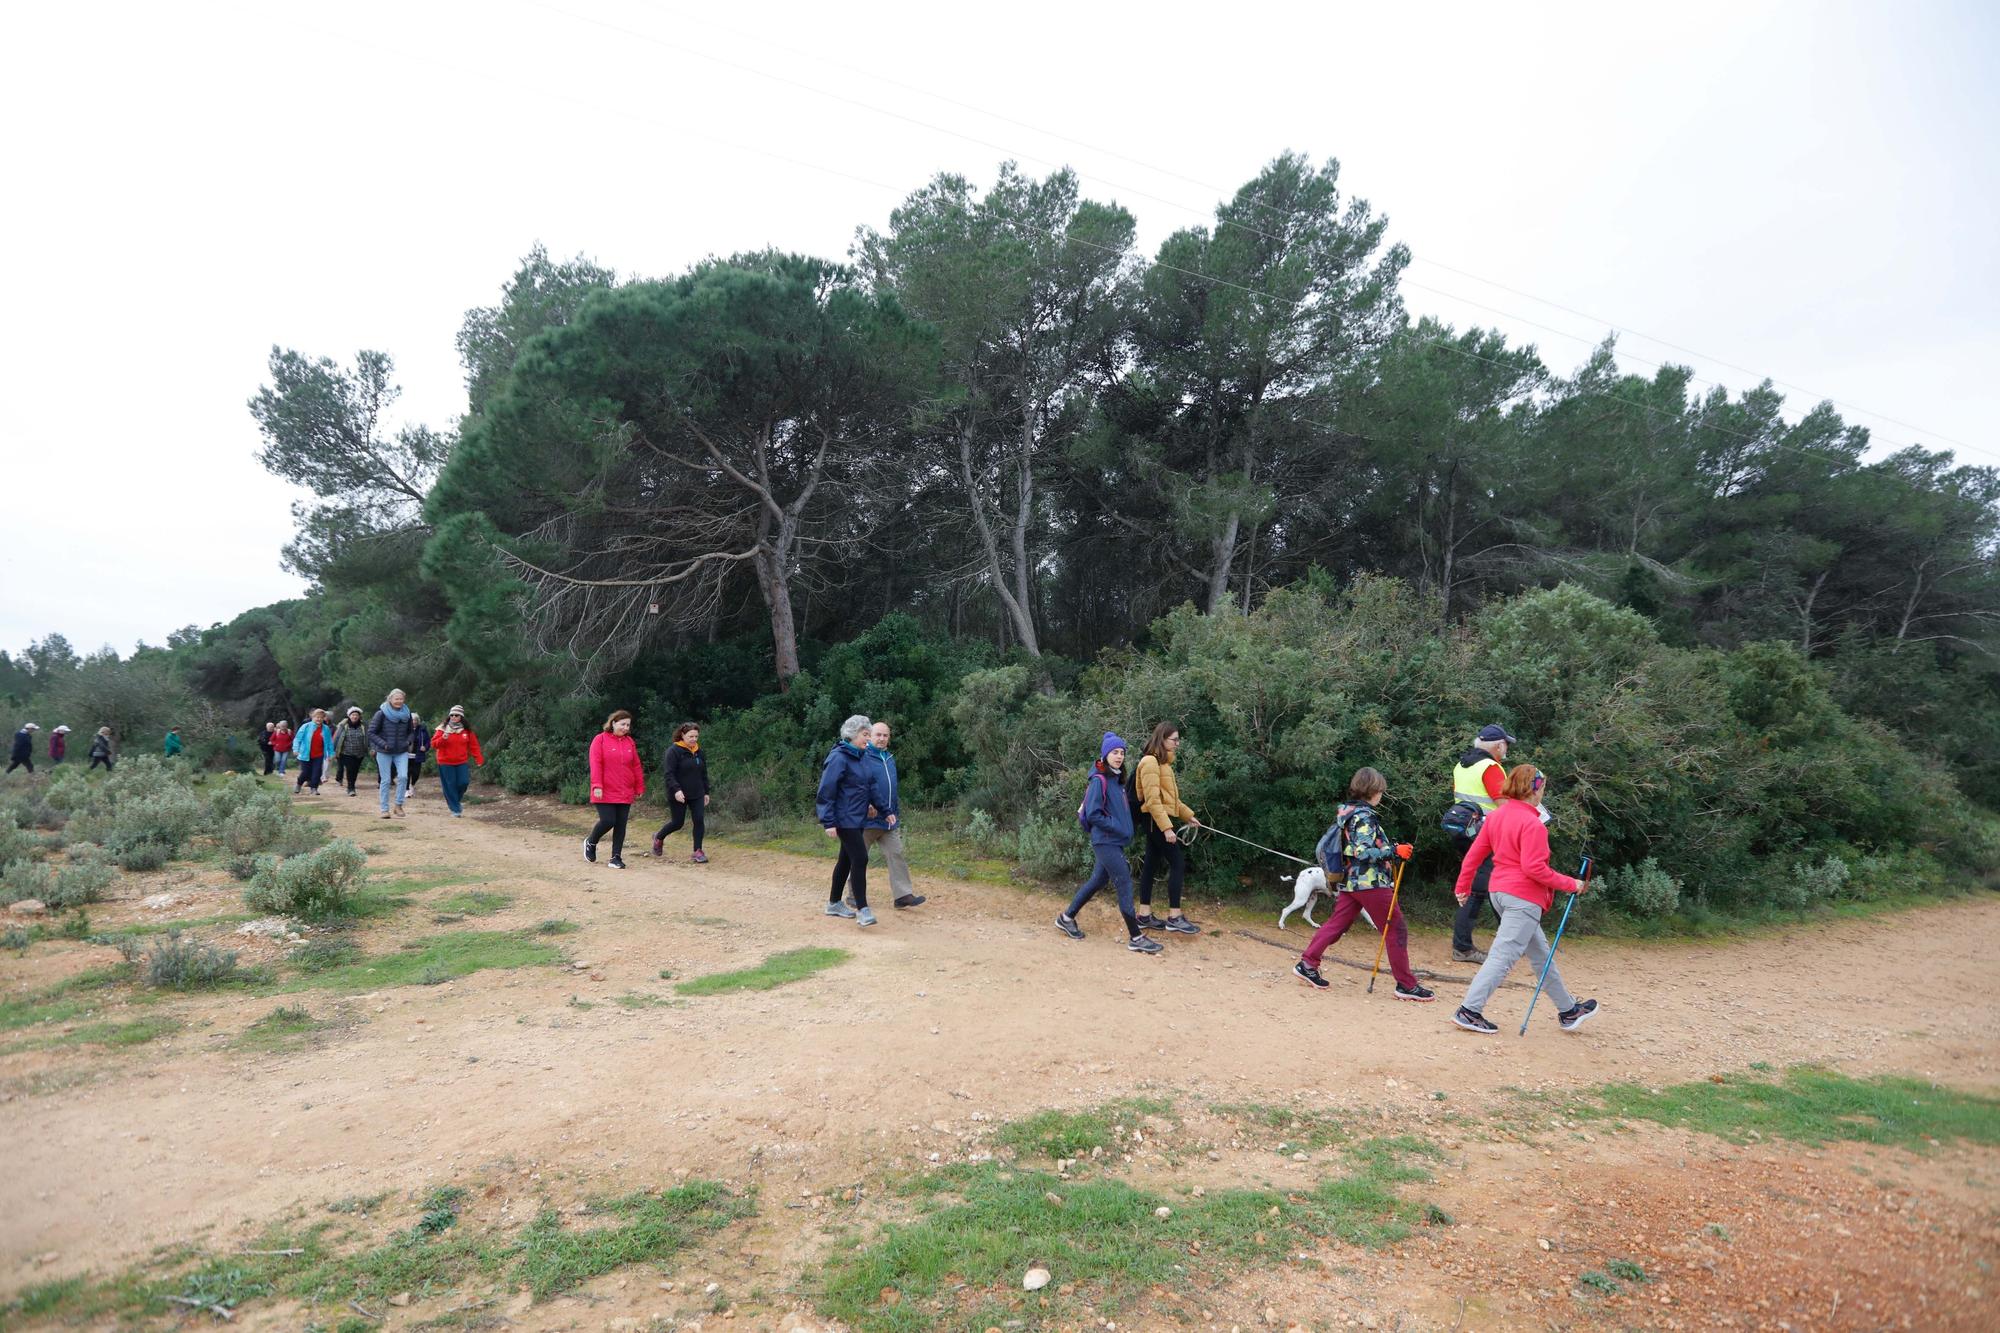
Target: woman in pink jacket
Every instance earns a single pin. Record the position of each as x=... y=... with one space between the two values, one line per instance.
x=617 y=779
x=1523 y=888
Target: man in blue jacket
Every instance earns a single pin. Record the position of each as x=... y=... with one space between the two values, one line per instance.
x=884 y=826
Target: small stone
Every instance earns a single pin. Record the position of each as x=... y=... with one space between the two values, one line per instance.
x=711 y=1289
x=28 y=907
x=1298 y=1157
x=1054 y=1198
x=400 y=1299
x=1544 y=1244
x=890 y=1296
x=1163 y=1213
x=1036 y=1278
x=1199 y=1192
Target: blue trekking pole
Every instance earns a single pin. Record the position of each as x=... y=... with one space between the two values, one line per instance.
x=1583 y=873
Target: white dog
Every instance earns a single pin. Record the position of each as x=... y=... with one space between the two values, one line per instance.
x=1311 y=883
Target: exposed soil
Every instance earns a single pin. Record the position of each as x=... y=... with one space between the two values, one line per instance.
x=973 y=1010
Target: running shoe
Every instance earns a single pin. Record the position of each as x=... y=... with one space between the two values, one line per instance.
x=1180 y=925
x=1141 y=944
x=700 y=857
x=1473 y=1021
x=1310 y=975
x=615 y=863
x=1067 y=925
x=659 y=846
x=912 y=900
x=865 y=917
x=840 y=909
x=1468 y=955
x=1572 y=1019
x=589 y=847
x=1147 y=921
x=1420 y=994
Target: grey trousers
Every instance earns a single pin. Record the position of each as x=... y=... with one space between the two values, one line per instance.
x=1519 y=936
x=890 y=843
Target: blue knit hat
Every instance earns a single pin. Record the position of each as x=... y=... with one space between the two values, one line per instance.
x=1112 y=741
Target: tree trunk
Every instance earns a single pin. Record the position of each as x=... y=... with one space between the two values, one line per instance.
x=1223 y=555
x=1450 y=536
x=1018 y=614
x=1805 y=615
x=777 y=589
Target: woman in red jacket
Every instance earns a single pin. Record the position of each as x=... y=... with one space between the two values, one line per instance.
x=457 y=749
x=1523 y=888
x=617 y=779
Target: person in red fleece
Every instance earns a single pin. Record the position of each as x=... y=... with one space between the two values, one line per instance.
x=1523 y=887
x=617 y=779
x=456 y=748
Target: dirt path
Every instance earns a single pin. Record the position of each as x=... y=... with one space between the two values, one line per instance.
x=970 y=1010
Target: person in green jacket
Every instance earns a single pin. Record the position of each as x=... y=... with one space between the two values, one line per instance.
x=174 y=744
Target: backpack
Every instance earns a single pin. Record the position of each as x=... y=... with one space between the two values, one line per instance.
x=1462 y=820
x=1331 y=852
x=1094 y=777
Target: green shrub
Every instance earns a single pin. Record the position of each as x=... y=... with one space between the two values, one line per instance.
x=1643 y=890
x=313 y=887
x=1813 y=883
x=142 y=857
x=21 y=880
x=175 y=962
x=1050 y=850
x=147 y=830
x=17 y=843
x=266 y=822
x=241 y=867
x=82 y=879
x=232 y=794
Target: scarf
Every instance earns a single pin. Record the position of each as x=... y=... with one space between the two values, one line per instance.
x=691 y=749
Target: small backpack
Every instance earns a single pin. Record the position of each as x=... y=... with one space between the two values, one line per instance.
x=1081 y=822
x=1331 y=853
x=1462 y=820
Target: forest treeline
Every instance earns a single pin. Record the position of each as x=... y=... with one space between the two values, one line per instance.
x=1008 y=481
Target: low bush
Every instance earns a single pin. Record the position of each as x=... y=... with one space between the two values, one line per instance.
x=313 y=886
x=16 y=843
x=176 y=962
x=1643 y=890
x=82 y=878
x=21 y=880
x=266 y=822
x=148 y=830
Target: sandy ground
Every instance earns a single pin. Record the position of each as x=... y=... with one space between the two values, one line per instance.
x=973 y=1010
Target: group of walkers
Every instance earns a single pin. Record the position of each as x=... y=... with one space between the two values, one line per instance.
x=394 y=736
x=103 y=751
x=618 y=781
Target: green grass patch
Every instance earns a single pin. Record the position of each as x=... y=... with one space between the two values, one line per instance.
x=1809 y=1105
x=1290 y=1129
x=1060 y=1134
x=958 y=1262
x=429 y=961
x=286 y=1028
x=556 y=926
x=73 y=997
x=633 y=999
x=134 y=1032
x=434 y=1254
x=474 y=902
x=139 y=929
x=780 y=969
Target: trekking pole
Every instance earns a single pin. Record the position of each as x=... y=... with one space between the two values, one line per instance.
x=1387 y=918
x=1583 y=873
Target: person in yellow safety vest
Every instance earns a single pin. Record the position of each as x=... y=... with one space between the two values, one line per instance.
x=1476 y=781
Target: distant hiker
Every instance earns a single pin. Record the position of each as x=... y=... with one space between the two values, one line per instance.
x=1475 y=783
x=101 y=749
x=58 y=744
x=1106 y=815
x=617 y=779
x=266 y=743
x=389 y=732
x=687 y=788
x=1523 y=888
x=350 y=747
x=457 y=749
x=1369 y=857
x=24 y=747
x=420 y=745
x=849 y=784
x=313 y=744
x=884 y=828
x=1160 y=800
x=281 y=743
x=173 y=744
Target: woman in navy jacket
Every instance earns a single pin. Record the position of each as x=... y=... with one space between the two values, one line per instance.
x=849 y=786
x=1107 y=816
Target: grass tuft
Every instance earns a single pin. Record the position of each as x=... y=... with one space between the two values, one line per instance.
x=433 y=960
x=474 y=902
x=1059 y=1134
x=1810 y=1105
x=780 y=969
x=556 y=1256
x=286 y=1028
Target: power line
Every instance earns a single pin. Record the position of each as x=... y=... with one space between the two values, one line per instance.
x=1851 y=408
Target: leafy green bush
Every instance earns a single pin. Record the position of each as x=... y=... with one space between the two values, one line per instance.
x=312 y=887
x=83 y=877
x=17 y=843
x=175 y=962
x=143 y=857
x=22 y=879
x=267 y=822
x=1643 y=890
x=1048 y=849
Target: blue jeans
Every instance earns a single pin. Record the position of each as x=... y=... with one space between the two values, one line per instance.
x=1110 y=867
x=284 y=757
x=395 y=771
x=454 y=779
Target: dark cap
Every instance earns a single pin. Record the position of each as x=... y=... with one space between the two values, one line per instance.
x=1496 y=732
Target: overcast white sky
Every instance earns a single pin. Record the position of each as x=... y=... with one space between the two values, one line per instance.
x=1806 y=189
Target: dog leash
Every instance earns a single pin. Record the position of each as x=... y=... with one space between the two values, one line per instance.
x=1189 y=833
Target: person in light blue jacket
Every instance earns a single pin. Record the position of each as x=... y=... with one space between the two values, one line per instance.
x=1106 y=815
x=884 y=829
x=310 y=747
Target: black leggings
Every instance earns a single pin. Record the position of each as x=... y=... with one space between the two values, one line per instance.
x=1175 y=855
x=270 y=761
x=347 y=771
x=30 y=764
x=683 y=812
x=97 y=759
x=853 y=863
x=611 y=819
x=1468 y=911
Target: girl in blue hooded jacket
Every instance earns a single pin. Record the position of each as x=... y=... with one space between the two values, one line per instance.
x=1107 y=816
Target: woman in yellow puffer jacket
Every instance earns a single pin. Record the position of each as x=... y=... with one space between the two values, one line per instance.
x=1160 y=801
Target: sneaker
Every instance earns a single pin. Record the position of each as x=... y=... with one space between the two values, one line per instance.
x=700 y=857
x=399 y=809
x=615 y=863
x=385 y=815
x=659 y=846
x=1468 y=955
x=1473 y=1021
x=912 y=900
x=1421 y=994
x=589 y=847
x=865 y=917
x=1180 y=925
x=1067 y=925
x=840 y=909
x=1147 y=921
x=1310 y=975
x=1572 y=1019
x=1140 y=944
x=458 y=814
